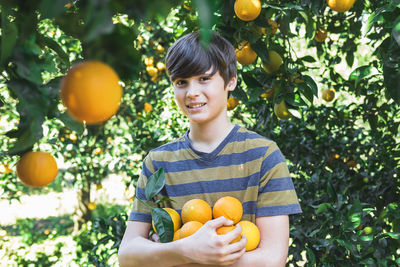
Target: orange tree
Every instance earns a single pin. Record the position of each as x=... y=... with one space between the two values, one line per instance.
x=344 y=154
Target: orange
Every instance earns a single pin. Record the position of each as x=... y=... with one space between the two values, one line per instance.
x=189 y=229
x=328 y=95
x=229 y=207
x=160 y=66
x=148 y=107
x=91 y=92
x=160 y=49
x=37 y=169
x=232 y=103
x=245 y=55
x=247 y=10
x=4 y=168
x=176 y=219
x=148 y=61
x=281 y=111
x=275 y=62
x=176 y=234
x=320 y=35
x=226 y=229
x=152 y=71
x=340 y=5
x=92 y=205
x=196 y=210
x=252 y=234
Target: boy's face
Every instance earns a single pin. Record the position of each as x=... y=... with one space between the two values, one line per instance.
x=203 y=98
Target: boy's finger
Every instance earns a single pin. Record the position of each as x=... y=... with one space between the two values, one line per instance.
x=220 y=221
x=232 y=235
x=237 y=246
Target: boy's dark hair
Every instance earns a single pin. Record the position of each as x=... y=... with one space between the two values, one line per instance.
x=189 y=57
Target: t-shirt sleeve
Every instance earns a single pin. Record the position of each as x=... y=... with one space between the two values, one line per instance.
x=140 y=212
x=276 y=194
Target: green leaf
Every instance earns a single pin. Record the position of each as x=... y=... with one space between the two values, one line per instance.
x=8 y=37
x=324 y=207
x=163 y=224
x=71 y=123
x=53 y=45
x=32 y=134
x=396 y=31
x=155 y=183
x=99 y=22
x=360 y=73
x=307 y=59
x=250 y=81
x=391 y=78
x=311 y=83
x=261 y=50
x=52 y=8
x=306 y=91
x=206 y=18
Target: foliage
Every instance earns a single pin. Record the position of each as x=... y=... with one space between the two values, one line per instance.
x=341 y=195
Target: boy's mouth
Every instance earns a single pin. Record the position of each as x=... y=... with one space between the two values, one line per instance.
x=196 y=105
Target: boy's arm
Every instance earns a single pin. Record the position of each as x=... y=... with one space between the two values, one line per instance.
x=274 y=244
x=204 y=246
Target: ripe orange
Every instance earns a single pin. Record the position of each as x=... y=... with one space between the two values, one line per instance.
x=328 y=95
x=196 y=210
x=229 y=207
x=176 y=219
x=4 y=168
x=252 y=234
x=232 y=103
x=152 y=71
x=148 y=61
x=275 y=62
x=92 y=205
x=320 y=35
x=37 y=169
x=176 y=234
x=340 y=5
x=247 y=10
x=147 y=107
x=226 y=229
x=281 y=111
x=245 y=55
x=189 y=228
x=91 y=92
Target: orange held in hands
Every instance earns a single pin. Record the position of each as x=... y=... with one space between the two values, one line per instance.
x=37 y=169
x=226 y=229
x=229 y=207
x=196 y=210
x=189 y=228
x=91 y=92
x=176 y=219
x=250 y=230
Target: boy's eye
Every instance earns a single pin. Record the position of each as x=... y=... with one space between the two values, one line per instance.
x=204 y=78
x=180 y=83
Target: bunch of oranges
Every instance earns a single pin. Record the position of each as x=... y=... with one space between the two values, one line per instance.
x=196 y=212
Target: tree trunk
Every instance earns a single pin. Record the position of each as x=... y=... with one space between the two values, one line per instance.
x=82 y=212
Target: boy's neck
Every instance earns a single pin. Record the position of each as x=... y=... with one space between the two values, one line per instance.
x=207 y=137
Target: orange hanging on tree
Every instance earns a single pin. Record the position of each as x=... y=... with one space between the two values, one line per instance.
x=91 y=92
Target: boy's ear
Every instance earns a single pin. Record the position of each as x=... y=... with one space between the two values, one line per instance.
x=232 y=84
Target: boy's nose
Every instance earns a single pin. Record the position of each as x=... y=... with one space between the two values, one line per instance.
x=193 y=90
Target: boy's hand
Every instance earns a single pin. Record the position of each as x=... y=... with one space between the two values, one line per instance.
x=207 y=247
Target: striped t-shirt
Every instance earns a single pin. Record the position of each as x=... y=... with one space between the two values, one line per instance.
x=245 y=165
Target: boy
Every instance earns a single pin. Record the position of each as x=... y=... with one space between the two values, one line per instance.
x=214 y=158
